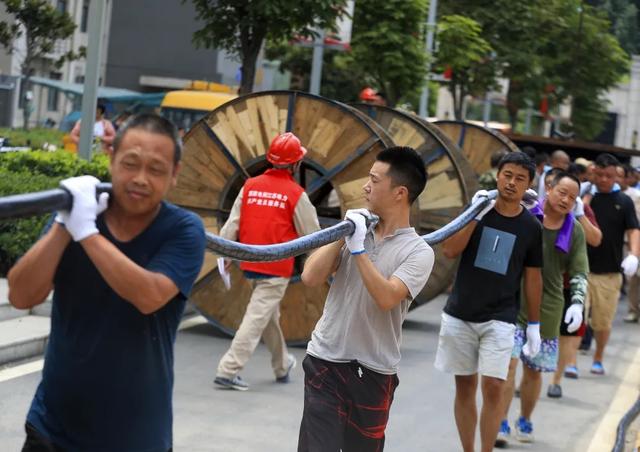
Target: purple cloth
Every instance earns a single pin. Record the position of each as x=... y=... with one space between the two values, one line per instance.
x=563 y=240
x=537 y=212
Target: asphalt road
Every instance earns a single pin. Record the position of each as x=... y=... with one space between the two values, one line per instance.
x=266 y=418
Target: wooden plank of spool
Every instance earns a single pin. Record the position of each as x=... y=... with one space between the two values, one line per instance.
x=451 y=182
x=237 y=136
x=477 y=143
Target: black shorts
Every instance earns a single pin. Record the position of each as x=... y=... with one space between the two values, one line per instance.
x=36 y=442
x=563 y=326
x=346 y=407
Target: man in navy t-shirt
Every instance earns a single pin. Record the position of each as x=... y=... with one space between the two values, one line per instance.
x=120 y=277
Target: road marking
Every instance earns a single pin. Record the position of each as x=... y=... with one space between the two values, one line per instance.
x=20 y=370
x=627 y=394
x=191 y=322
x=36 y=366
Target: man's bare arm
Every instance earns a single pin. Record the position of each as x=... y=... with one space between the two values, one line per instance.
x=31 y=278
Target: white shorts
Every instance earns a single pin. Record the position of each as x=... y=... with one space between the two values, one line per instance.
x=467 y=348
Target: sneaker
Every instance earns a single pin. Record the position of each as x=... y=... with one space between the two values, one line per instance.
x=524 y=430
x=554 y=391
x=292 y=364
x=236 y=383
x=504 y=434
x=571 y=372
x=632 y=317
x=597 y=368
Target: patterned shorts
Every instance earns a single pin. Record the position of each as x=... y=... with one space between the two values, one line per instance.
x=545 y=361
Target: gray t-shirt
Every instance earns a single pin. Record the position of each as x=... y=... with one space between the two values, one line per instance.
x=352 y=326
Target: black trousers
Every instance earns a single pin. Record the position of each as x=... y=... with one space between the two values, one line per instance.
x=346 y=407
x=36 y=442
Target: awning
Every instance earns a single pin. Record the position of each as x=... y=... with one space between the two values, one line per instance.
x=104 y=92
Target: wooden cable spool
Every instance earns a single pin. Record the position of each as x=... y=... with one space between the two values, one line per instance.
x=452 y=182
x=477 y=143
x=229 y=145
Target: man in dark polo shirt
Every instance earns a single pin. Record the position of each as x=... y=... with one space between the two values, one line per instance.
x=616 y=215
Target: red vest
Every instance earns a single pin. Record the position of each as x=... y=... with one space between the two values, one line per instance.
x=266 y=217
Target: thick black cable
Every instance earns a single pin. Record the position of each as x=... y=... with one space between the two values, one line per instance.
x=38 y=203
x=623 y=426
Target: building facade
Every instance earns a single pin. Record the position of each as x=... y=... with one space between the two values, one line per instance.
x=49 y=105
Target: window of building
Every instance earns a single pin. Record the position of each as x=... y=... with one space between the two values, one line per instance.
x=84 y=20
x=62 y=6
x=52 y=93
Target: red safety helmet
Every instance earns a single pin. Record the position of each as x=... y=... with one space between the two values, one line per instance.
x=368 y=94
x=285 y=149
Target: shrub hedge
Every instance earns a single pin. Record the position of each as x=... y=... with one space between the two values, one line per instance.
x=24 y=172
x=34 y=138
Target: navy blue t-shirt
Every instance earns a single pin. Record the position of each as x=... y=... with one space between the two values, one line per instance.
x=108 y=375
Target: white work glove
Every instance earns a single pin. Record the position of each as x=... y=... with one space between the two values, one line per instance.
x=573 y=317
x=578 y=208
x=484 y=211
x=534 y=199
x=630 y=265
x=532 y=346
x=81 y=220
x=479 y=195
x=355 y=242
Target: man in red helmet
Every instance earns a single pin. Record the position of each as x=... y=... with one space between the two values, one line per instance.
x=371 y=96
x=270 y=208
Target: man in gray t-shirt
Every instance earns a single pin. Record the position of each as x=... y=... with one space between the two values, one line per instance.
x=352 y=358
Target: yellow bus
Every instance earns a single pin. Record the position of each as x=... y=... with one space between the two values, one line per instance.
x=185 y=107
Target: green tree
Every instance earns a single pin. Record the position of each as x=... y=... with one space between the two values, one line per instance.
x=340 y=81
x=561 y=44
x=623 y=15
x=242 y=26
x=462 y=49
x=516 y=30
x=596 y=63
x=387 y=46
x=42 y=26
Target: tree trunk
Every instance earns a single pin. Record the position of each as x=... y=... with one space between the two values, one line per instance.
x=461 y=96
x=512 y=105
x=248 y=72
x=27 y=106
x=251 y=43
x=453 y=89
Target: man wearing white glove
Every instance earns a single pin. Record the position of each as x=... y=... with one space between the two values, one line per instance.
x=378 y=270
x=498 y=250
x=616 y=217
x=536 y=342
x=120 y=277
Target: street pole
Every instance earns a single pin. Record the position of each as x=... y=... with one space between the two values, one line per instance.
x=91 y=77
x=431 y=27
x=316 y=63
